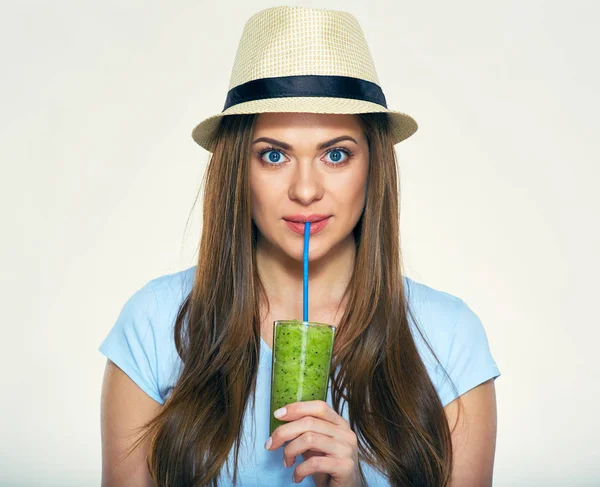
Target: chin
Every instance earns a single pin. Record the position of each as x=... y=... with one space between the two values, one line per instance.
x=296 y=252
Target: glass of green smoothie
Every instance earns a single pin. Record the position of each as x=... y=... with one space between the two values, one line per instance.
x=301 y=361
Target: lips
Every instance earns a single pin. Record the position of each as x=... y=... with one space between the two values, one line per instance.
x=315 y=227
x=305 y=218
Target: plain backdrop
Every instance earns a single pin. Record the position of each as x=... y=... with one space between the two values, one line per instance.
x=498 y=190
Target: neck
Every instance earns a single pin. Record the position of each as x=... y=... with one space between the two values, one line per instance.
x=282 y=277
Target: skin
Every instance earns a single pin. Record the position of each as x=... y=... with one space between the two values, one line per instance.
x=474 y=439
x=301 y=182
x=304 y=180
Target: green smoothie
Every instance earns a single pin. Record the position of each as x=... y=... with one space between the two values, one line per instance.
x=301 y=360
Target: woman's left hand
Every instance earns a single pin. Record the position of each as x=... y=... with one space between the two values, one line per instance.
x=324 y=438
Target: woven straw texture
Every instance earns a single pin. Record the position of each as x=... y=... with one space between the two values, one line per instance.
x=287 y=41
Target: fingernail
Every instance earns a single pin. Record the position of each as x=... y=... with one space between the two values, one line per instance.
x=268 y=443
x=280 y=412
x=285 y=463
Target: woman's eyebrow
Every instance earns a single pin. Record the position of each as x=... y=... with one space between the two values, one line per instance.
x=322 y=145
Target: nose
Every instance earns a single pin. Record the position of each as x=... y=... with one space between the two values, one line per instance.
x=306 y=183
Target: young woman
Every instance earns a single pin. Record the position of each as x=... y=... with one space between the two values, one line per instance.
x=185 y=398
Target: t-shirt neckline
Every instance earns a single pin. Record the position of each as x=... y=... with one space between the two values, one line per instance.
x=265 y=345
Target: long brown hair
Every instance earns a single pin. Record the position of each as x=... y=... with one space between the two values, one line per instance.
x=393 y=406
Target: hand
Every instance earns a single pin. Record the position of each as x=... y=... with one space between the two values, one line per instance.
x=328 y=445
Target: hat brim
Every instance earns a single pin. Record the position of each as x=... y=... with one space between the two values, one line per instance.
x=402 y=125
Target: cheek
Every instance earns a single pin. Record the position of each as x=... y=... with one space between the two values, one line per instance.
x=351 y=191
x=255 y=201
x=255 y=189
x=261 y=195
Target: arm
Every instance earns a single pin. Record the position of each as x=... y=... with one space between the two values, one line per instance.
x=124 y=406
x=474 y=436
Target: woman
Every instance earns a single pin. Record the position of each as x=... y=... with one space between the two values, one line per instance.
x=305 y=131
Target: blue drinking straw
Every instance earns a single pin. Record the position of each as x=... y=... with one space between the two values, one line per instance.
x=305 y=279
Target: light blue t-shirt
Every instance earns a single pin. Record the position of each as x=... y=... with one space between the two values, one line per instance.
x=141 y=344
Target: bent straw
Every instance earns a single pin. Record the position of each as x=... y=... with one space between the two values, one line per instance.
x=305 y=278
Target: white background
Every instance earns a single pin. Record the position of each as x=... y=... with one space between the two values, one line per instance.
x=499 y=200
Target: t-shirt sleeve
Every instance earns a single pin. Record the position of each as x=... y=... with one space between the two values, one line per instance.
x=131 y=343
x=469 y=361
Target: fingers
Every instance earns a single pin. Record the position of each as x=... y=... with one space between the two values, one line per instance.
x=318 y=409
x=316 y=430
x=289 y=431
x=315 y=442
x=340 y=468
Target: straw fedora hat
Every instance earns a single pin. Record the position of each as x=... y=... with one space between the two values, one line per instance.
x=297 y=59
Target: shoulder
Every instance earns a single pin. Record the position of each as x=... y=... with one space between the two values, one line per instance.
x=435 y=311
x=455 y=334
x=155 y=305
x=162 y=298
x=141 y=340
x=424 y=296
x=168 y=292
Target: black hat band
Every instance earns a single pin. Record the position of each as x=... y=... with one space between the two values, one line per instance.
x=306 y=85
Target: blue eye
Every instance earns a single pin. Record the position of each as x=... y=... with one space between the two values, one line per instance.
x=336 y=155
x=274 y=156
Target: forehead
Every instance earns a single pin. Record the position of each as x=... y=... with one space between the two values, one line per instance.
x=315 y=122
